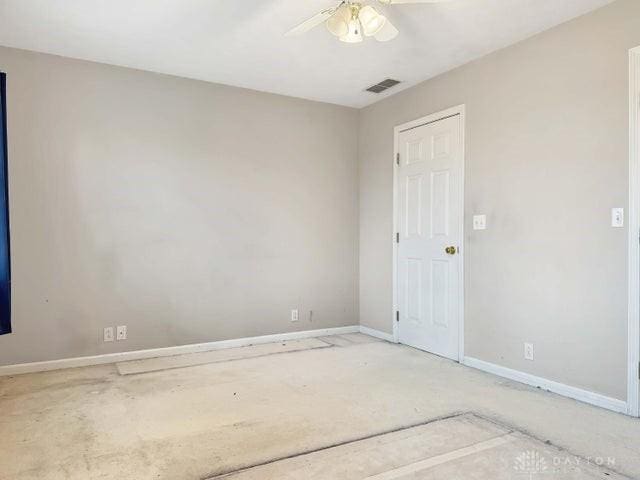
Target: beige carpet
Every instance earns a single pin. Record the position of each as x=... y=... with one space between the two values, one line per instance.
x=197 y=422
x=223 y=355
x=460 y=447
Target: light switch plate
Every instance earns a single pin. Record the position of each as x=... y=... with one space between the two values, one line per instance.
x=617 y=217
x=479 y=222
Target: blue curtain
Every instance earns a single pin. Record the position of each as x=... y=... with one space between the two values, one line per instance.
x=5 y=263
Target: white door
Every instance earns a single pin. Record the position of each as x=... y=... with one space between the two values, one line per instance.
x=430 y=206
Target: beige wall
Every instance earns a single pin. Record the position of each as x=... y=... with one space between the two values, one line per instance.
x=188 y=211
x=194 y=212
x=547 y=143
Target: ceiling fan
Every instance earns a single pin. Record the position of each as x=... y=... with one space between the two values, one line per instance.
x=349 y=20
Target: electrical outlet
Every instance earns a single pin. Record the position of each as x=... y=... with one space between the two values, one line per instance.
x=121 y=332
x=108 y=334
x=528 y=351
x=294 y=315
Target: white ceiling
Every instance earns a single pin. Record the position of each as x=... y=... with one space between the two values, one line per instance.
x=241 y=42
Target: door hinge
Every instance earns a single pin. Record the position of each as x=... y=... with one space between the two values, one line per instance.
x=397 y=237
x=398 y=159
x=397 y=316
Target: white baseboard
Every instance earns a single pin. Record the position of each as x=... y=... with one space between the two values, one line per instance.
x=168 y=351
x=377 y=333
x=555 y=387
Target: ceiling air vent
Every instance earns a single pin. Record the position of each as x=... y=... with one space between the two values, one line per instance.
x=383 y=85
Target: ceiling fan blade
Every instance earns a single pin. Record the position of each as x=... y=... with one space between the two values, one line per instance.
x=387 y=32
x=311 y=23
x=399 y=2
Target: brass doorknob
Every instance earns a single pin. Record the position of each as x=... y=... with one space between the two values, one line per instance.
x=451 y=250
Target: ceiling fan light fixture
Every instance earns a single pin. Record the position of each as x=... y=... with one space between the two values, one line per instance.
x=354 y=35
x=372 y=22
x=349 y=20
x=338 y=23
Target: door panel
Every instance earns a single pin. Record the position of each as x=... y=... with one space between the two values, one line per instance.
x=414 y=286
x=440 y=293
x=439 y=204
x=430 y=210
x=414 y=206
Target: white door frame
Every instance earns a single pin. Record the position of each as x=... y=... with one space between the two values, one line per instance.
x=633 y=349
x=450 y=112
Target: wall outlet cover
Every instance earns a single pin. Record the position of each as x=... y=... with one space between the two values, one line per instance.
x=121 y=332
x=528 y=351
x=108 y=334
x=294 y=315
